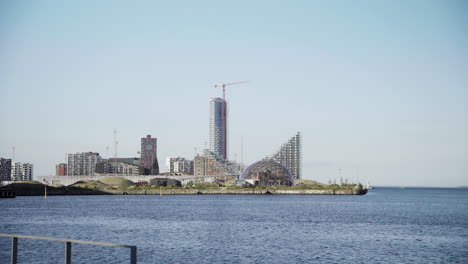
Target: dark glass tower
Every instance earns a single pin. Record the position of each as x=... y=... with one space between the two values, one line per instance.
x=218 y=127
x=5 y=169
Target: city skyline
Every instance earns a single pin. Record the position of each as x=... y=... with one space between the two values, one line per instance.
x=378 y=90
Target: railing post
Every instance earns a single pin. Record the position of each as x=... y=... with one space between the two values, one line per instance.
x=133 y=255
x=68 y=242
x=68 y=252
x=14 y=250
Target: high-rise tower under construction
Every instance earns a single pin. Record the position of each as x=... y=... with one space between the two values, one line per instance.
x=218 y=127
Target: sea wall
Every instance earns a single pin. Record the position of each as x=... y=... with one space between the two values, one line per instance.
x=323 y=192
x=28 y=189
x=238 y=192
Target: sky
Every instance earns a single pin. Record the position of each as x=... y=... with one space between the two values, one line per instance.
x=379 y=89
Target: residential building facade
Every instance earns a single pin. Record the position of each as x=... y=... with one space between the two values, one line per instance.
x=22 y=172
x=133 y=160
x=117 y=167
x=5 y=169
x=199 y=166
x=179 y=164
x=83 y=163
x=290 y=155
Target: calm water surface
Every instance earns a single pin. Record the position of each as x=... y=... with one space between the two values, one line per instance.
x=388 y=225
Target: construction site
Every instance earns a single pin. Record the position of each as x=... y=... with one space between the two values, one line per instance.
x=214 y=163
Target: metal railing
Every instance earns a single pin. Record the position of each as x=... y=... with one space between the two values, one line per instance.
x=68 y=242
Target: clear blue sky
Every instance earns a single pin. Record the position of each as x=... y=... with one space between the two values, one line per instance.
x=375 y=86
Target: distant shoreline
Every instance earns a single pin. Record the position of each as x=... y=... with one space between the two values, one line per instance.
x=246 y=191
x=34 y=189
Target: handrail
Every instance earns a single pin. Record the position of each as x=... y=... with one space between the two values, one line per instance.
x=14 y=246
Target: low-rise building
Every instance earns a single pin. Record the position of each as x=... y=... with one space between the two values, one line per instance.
x=211 y=164
x=61 y=169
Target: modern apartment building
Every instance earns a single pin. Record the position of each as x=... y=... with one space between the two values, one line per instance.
x=5 y=169
x=22 y=172
x=83 y=163
x=179 y=165
x=290 y=155
x=118 y=167
x=218 y=127
x=149 y=159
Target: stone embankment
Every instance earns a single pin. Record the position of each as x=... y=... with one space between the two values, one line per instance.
x=323 y=192
x=238 y=192
x=38 y=189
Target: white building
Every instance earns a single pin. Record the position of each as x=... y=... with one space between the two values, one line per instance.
x=83 y=163
x=290 y=155
x=22 y=172
x=179 y=165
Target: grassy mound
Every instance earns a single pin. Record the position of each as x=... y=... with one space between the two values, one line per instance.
x=31 y=186
x=89 y=184
x=117 y=182
x=308 y=182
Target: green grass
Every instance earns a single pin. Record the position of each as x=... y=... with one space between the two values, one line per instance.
x=117 y=181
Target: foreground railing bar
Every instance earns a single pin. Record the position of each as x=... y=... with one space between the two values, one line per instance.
x=68 y=253
x=133 y=255
x=14 y=250
x=68 y=240
x=14 y=246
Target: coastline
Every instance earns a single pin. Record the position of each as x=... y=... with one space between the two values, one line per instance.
x=28 y=189
x=250 y=191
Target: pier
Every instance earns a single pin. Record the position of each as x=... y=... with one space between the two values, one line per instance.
x=7 y=193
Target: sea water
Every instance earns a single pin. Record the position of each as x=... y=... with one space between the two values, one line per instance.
x=388 y=225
